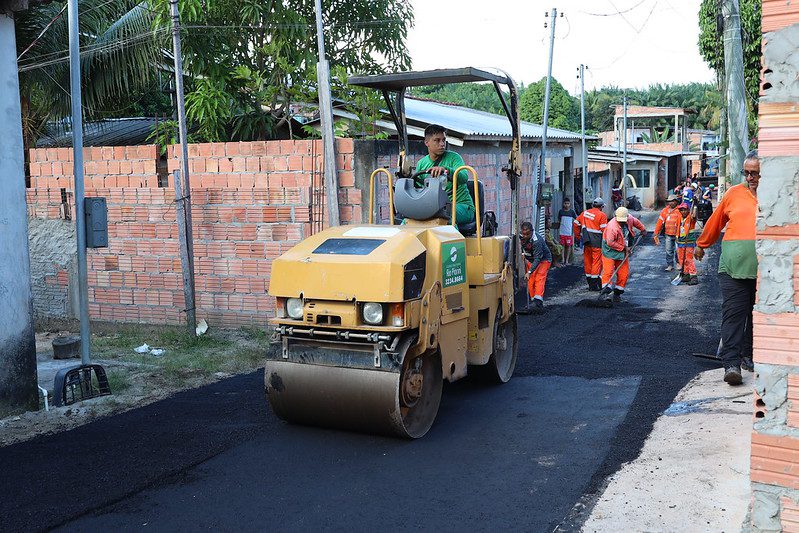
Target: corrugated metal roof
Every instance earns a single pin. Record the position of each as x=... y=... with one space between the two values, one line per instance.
x=618 y=149
x=110 y=132
x=477 y=125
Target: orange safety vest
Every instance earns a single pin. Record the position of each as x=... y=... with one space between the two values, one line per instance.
x=670 y=218
x=591 y=224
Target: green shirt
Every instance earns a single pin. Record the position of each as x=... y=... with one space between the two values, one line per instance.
x=450 y=161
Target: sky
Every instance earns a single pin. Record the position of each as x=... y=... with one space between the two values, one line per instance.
x=627 y=43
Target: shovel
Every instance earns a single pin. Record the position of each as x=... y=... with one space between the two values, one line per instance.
x=677 y=280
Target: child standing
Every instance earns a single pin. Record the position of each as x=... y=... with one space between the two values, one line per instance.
x=686 y=244
x=566 y=218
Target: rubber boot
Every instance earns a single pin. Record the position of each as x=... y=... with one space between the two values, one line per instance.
x=596 y=284
x=606 y=293
x=617 y=295
x=590 y=282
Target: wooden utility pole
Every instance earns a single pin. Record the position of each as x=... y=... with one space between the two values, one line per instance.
x=182 y=187
x=326 y=119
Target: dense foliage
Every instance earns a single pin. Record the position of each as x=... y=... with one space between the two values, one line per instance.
x=480 y=96
x=564 y=109
x=711 y=45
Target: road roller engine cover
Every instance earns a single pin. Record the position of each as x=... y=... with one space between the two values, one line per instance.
x=370 y=319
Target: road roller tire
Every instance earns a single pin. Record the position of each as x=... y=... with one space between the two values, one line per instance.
x=502 y=362
x=401 y=403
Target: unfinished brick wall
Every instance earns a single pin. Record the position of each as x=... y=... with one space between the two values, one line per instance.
x=775 y=440
x=251 y=202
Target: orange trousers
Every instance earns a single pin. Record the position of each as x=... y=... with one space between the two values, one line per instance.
x=685 y=260
x=538 y=280
x=609 y=265
x=592 y=261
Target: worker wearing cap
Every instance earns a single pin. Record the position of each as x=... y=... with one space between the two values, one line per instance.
x=589 y=226
x=616 y=253
x=686 y=244
x=669 y=222
x=538 y=259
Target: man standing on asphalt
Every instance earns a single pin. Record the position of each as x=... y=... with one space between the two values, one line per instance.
x=669 y=220
x=737 y=210
x=538 y=259
x=616 y=253
x=589 y=227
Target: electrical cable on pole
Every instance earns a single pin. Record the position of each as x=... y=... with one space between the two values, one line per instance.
x=326 y=119
x=582 y=134
x=542 y=165
x=737 y=113
x=182 y=187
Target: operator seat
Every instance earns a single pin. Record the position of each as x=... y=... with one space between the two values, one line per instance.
x=470 y=228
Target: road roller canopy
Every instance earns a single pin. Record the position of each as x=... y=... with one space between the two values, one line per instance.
x=402 y=80
x=394 y=86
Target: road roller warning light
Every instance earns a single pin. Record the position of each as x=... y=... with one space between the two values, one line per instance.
x=371 y=319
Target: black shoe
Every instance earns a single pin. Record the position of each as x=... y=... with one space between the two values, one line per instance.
x=747 y=364
x=606 y=293
x=593 y=284
x=685 y=278
x=694 y=280
x=537 y=307
x=617 y=295
x=732 y=375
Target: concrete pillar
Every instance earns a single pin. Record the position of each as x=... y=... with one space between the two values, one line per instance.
x=18 y=384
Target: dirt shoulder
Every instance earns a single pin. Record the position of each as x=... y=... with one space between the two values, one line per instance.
x=136 y=379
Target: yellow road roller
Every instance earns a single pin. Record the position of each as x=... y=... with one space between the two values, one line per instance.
x=371 y=318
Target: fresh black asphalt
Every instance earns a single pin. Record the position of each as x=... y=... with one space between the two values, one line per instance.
x=530 y=455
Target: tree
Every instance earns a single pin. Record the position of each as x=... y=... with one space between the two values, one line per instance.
x=564 y=109
x=119 y=52
x=250 y=60
x=711 y=46
x=480 y=96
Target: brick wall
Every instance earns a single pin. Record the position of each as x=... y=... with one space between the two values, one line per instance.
x=775 y=439
x=251 y=202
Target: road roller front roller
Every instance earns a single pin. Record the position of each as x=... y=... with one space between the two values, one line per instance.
x=371 y=319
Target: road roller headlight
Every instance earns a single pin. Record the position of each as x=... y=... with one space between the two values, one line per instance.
x=373 y=313
x=294 y=308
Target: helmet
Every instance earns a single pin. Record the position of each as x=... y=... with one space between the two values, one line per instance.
x=621 y=214
x=684 y=205
x=694 y=185
x=712 y=186
x=672 y=198
x=598 y=201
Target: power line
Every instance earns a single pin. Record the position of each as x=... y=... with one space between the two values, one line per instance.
x=615 y=13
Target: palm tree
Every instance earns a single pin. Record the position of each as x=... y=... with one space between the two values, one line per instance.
x=120 y=53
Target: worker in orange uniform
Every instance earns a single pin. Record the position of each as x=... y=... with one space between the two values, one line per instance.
x=686 y=243
x=588 y=226
x=616 y=253
x=669 y=221
x=538 y=259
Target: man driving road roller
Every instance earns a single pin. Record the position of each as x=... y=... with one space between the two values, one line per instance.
x=439 y=161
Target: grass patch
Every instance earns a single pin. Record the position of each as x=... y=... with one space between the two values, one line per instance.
x=119 y=380
x=186 y=357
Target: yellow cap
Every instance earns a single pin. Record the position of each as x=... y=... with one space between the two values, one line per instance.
x=621 y=214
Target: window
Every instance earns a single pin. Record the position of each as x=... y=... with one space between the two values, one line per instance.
x=641 y=177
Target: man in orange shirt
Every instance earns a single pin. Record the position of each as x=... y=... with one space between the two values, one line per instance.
x=686 y=242
x=669 y=221
x=616 y=253
x=737 y=211
x=589 y=226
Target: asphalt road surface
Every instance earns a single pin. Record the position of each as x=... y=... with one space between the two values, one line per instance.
x=530 y=455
